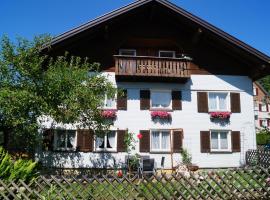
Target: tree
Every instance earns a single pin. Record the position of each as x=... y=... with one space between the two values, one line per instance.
x=67 y=88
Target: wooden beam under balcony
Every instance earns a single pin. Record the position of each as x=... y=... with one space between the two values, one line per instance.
x=146 y=68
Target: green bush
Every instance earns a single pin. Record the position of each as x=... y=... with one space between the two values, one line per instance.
x=263 y=138
x=186 y=157
x=19 y=169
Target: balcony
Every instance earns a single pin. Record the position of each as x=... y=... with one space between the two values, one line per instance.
x=145 y=68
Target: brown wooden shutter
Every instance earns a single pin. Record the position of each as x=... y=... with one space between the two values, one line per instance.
x=236 y=142
x=121 y=140
x=85 y=140
x=260 y=122
x=176 y=100
x=267 y=109
x=268 y=122
x=257 y=91
x=177 y=141
x=122 y=101
x=145 y=99
x=205 y=141
x=48 y=137
x=202 y=99
x=145 y=141
x=235 y=103
x=260 y=107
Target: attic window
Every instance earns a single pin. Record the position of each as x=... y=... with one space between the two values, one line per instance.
x=166 y=54
x=127 y=52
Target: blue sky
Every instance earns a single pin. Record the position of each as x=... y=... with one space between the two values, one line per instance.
x=248 y=20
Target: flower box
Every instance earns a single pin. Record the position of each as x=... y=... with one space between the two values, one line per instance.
x=161 y=115
x=109 y=114
x=220 y=115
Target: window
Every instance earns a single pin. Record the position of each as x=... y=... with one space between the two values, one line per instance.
x=167 y=54
x=127 y=52
x=65 y=139
x=161 y=99
x=109 y=102
x=264 y=123
x=160 y=140
x=220 y=140
x=1 y=138
x=264 y=108
x=255 y=91
x=218 y=101
x=106 y=142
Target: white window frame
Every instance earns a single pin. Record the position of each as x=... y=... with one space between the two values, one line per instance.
x=229 y=149
x=160 y=108
x=105 y=139
x=217 y=101
x=130 y=50
x=65 y=148
x=107 y=107
x=160 y=140
x=255 y=91
x=166 y=51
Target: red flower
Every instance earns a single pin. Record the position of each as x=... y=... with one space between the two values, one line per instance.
x=109 y=114
x=220 y=115
x=139 y=136
x=160 y=114
x=120 y=173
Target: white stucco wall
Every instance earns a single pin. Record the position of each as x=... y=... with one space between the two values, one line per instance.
x=188 y=119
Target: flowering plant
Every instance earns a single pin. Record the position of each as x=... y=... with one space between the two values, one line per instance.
x=160 y=115
x=139 y=136
x=220 y=115
x=109 y=114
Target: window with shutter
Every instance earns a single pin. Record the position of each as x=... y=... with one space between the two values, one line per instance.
x=160 y=140
x=64 y=140
x=121 y=140
x=220 y=141
x=202 y=101
x=236 y=142
x=177 y=141
x=85 y=140
x=235 y=102
x=205 y=141
x=122 y=100
x=145 y=141
x=145 y=99
x=106 y=141
x=48 y=138
x=176 y=100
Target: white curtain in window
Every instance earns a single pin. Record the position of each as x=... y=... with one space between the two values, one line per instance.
x=223 y=140
x=60 y=143
x=161 y=99
x=70 y=139
x=165 y=140
x=212 y=101
x=155 y=140
x=111 y=139
x=222 y=101
x=100 y=142
x=214 y=140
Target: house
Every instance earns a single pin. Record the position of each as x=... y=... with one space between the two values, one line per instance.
x=168 y=62
x=261 y=107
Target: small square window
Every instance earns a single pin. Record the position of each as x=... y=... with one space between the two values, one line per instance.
x=220 y=141
x=161 y=99
x=160 y=140
x=218 y=101
x=109 y=103
x=65 y=139
x=106 y=142
x=167 y=54
x=264 y=107
x=127 y=52
x=264 y=122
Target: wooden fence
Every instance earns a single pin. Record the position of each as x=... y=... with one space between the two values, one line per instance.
x=258 y=157
x=245 y=183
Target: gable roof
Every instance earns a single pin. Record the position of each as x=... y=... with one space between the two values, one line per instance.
x=227 y=37
x=262 y=88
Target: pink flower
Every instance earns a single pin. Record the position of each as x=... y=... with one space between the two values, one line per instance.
x=139 y=136
x=220 y=115
x=109 y=114
x=268 y=180
x=119 y=173
x=160 y=114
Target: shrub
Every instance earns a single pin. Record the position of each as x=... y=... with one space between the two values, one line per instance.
x=14 y=170
x=186 y=157
x=263 y=138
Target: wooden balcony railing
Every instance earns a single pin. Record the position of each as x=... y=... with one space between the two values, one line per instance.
x=152 y=66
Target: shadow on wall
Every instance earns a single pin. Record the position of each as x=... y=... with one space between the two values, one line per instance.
x=79 y=160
